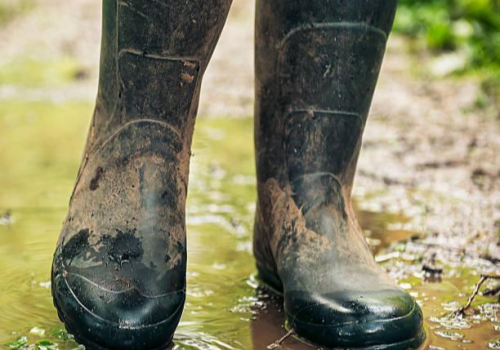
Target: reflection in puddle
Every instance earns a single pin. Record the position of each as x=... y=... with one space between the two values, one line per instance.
x=225 y=308
x=267 y=326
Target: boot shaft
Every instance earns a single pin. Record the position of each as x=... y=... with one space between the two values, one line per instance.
x=317 y=63
x=153 y=56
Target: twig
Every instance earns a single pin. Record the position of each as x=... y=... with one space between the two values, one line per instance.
x=280 y=341
x=461 y=311
x=431 y=270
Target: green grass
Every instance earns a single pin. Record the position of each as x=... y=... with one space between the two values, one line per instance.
x=471 y=27
x=468 y=31
x=34 y=73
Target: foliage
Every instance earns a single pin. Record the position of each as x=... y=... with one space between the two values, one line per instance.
x=22 y=344
x=465 y=34
x=470 y=27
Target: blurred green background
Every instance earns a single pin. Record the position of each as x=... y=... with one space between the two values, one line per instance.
x=467 y=32
x=470 y=28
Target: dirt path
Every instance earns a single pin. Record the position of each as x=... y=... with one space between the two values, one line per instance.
x=428 y=152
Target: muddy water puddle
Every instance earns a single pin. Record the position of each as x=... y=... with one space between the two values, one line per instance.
x=40 y=150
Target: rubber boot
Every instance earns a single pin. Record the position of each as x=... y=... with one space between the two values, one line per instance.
x=317 y=63
x=119 y=270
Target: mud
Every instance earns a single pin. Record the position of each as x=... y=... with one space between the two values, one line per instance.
x=94 y=183
x=428 y=170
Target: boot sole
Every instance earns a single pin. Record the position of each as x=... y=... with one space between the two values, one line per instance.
x=271 y=282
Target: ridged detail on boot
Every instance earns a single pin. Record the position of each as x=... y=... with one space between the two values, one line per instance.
x=320 y=142
x=360 y=26
x=156 y=87
x=330 y=74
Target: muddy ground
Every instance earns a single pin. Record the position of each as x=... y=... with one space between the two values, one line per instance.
x=431 y=152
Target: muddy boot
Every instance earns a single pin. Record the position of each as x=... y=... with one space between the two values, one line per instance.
x=119 y=271
x=317 y=65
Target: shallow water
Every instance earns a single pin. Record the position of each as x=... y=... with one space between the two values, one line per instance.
x=40 y=147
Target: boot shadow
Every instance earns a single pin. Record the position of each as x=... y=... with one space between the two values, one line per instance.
x=268 y=325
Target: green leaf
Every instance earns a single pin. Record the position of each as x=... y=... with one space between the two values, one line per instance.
x=16 y=345
x=44 y=343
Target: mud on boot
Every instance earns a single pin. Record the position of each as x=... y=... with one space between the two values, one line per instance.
x=317 y=65
x=119 y=270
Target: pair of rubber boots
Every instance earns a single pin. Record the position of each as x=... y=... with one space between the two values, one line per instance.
x=119 y=271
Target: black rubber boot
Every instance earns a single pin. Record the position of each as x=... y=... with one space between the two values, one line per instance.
x=317 y=65
x=119 y=270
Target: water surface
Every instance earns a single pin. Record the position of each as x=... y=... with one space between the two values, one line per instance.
x=40 y=148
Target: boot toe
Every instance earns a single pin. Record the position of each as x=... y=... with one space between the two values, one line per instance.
x=102 y=318
x=387 y=319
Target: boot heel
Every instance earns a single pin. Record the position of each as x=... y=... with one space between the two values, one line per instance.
x=270 y=280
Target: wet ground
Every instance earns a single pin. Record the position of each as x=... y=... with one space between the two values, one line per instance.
x=225 y=307
x=427 y=189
